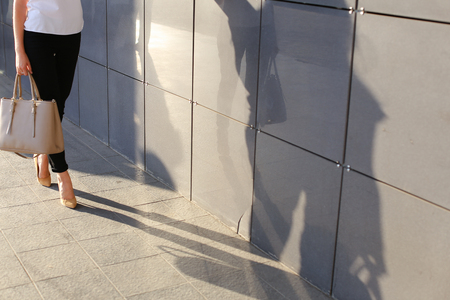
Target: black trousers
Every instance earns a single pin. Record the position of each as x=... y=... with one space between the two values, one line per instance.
x=53 y=60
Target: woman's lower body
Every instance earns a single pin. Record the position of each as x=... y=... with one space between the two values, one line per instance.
x=53 y=60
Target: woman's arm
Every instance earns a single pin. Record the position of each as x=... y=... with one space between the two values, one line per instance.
x=19 y=16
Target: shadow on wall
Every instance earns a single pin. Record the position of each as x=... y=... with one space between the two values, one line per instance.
x=130 y=101
x=296 y=199
x=125 y=94
x=237 y=62
x=168 y=116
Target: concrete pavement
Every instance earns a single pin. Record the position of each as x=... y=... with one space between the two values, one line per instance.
x=130 y=237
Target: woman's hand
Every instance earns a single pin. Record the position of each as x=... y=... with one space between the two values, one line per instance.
x=23 y=66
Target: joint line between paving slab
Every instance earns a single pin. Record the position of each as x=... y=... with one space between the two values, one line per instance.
x=92 y=259
x=23 y=266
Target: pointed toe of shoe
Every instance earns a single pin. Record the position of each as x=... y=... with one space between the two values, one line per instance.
x=70 y=203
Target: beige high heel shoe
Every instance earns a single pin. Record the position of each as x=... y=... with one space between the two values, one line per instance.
x=47 y=181
x=70 y=203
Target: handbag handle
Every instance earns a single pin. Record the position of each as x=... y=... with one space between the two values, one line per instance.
x=18 y=85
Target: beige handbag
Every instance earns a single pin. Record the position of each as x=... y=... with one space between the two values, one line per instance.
x=30 y=126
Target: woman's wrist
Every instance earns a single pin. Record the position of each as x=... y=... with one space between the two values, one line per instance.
x=20 y=50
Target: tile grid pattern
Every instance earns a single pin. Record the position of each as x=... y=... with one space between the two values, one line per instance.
x=130 y=237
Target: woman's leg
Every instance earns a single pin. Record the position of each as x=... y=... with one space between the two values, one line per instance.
x=53 y=59
x=66 y=57
x=66 y=62
x=40 y=53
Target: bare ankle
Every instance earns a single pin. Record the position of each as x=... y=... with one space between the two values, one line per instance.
x=43 y=166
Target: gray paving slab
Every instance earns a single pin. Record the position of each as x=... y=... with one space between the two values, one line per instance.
x=76 y=151
x=143 y=275
x=152 y=214
x=237 y=284
x=184 y=291
x=161 y=192
x=17 y=196
x=127 y=197
x=130 y=170
x=91 y=226
x=23 y=167
x=8 y=175
x=5 y=249
x=88 y=139
x=170 y=237
x=89 y=285
x=37 y=236
x=117 y=248
x=56 y=261
x=28 y=214
x=96 y=166
x=27 y=291
x=11 y=272
x=185 y=209
x=104 y=182
x=84 y=207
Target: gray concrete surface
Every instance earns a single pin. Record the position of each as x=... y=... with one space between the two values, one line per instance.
x=130 y=237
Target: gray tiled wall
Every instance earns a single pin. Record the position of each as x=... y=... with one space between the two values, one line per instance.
x=2 y=52
x=398 y=115
x=72 y=108
x=391 y=245
x=435 y=10
x=126 y=116
x=168 y=138
x=93 y=39
x=296 y=207
x=318 y=133
x=168 y=45
x=93 y=102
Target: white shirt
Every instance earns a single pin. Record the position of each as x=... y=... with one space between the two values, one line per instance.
x=62 y=17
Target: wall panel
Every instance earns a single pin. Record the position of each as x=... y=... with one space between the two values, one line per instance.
x=125 y=21
x=168 y=138
x=431 y=9
x=10 y=54
x=7 y=11
x=226 y=57
x=93 y=37
x=169 y=45
x=72 y=108
x=332 y=3
x=93 y=85
x=390 y=245
x=223 y=155
x=295 y=208
x=126 y=117
x=399 y=118
x=2 y=52
x=309 y=49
